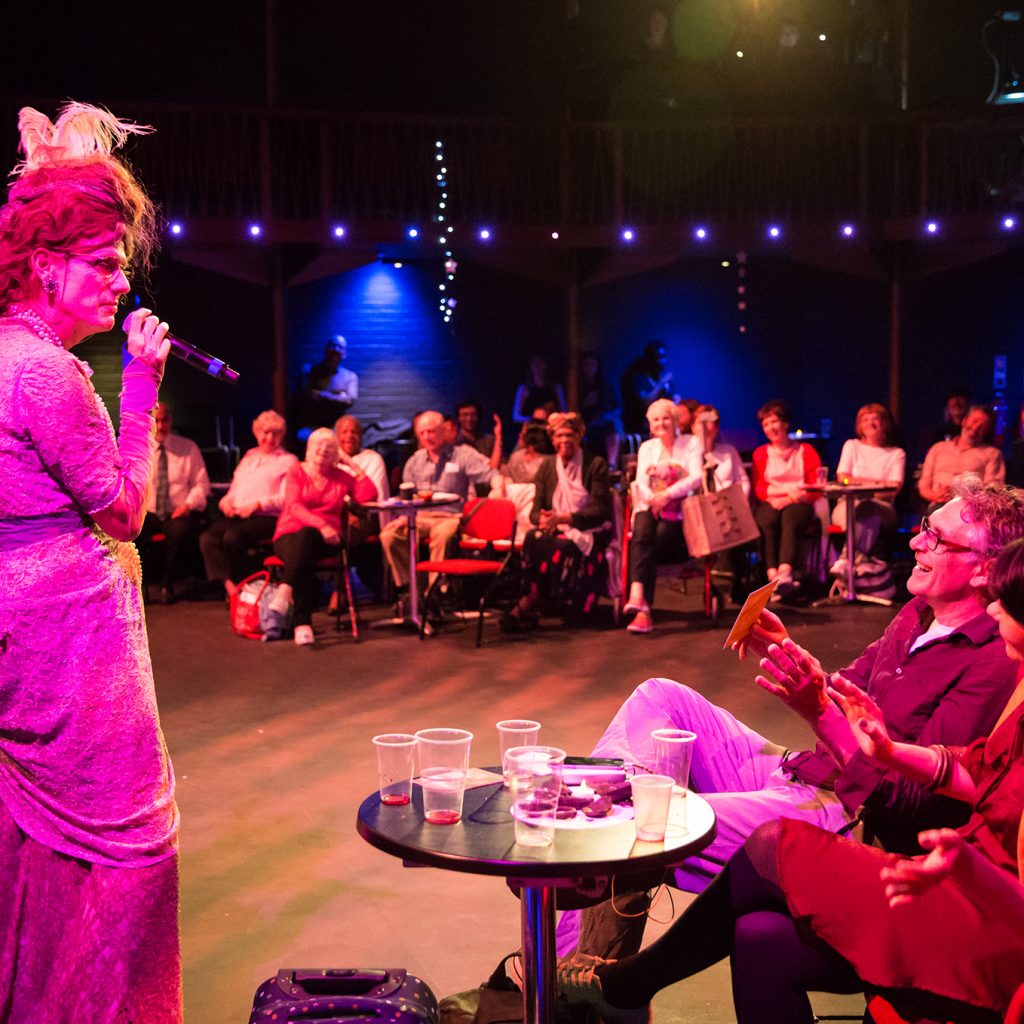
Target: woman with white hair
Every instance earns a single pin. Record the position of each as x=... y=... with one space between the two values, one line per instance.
x=668 y=470
x=251 y=505
x=309 y=526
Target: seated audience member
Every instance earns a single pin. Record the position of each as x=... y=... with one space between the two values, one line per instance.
x=362 y=525
x=309 y=526
x=467 y=416
x=251 y=505
x=686 y=410
x=971 y=451
x=572 y=514
x=953 y=413
x=939 y=673
x=781 y=468
x=644 y=381
x=721 y=463
x=668 y=469
x=870 y=458
x=534 y=446
x=801 y=909
x=179 y=487
x=599 y=407
x=537 y=392
x=437 y=466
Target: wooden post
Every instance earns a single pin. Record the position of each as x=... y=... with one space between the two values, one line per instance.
x=572 y=316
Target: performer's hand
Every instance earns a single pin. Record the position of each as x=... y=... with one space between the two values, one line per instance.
x=658 y=502
x=766 y=631
x=497 y=426
x=181 y=510
x=909 y=878
x=330 y=535
x=796 y=677
x=865 y=717
x=147 y=338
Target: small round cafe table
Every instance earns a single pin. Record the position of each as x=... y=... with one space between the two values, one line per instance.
x=483 y=843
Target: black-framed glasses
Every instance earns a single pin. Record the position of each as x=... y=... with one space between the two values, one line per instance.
x=932 y=539
x=108 y=267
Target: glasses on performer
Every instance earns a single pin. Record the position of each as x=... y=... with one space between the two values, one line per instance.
x=108 y=267
x=932 y=539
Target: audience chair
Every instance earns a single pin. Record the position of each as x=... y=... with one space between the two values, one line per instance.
x=488 y=520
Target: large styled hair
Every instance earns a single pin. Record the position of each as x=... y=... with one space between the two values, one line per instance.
x=68 y=188
x=1006 y=578
x=318 y=435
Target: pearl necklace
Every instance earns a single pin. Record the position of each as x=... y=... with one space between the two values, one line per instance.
x=35 y=323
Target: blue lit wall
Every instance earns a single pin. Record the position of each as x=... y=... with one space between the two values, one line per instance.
x=406 y=357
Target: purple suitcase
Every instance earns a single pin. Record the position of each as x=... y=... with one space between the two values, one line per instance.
x=344 y=996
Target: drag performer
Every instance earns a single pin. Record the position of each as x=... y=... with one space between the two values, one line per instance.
x=88 y=823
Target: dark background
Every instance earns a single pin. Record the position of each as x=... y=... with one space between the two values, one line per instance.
x=814 y=336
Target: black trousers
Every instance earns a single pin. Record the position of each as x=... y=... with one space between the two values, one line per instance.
x=780 y=531
x=226 y=546
x=654 y=540
x=180 y=547
x=299 y=551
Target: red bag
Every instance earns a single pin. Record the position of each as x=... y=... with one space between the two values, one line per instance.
x=245 y=605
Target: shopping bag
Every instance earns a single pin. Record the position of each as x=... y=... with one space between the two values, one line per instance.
x=718 y=520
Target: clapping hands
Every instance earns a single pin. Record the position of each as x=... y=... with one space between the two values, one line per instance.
x=865 y=717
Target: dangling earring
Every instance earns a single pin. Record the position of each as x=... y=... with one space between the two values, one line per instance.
x=50 y=287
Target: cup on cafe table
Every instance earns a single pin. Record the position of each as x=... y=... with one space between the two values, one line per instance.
x=515 y=732
x=395 y=756
x=406 y=491
x=821 y=476
x=425 y=493
x=444 y=764
x=535 y=778
x=673 y=755
x=652 y=796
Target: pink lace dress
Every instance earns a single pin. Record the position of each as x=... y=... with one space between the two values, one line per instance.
x=88 y=823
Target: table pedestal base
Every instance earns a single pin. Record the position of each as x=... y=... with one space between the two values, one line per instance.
x=538 y=923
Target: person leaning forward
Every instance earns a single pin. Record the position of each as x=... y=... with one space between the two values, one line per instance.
x=939 y=673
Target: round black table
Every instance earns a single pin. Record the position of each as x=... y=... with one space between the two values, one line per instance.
x=483 y=843
x=850 y=492
x=410 y=507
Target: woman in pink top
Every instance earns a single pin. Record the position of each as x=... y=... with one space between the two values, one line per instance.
x=781 y=468
x=310 y=524
x=88 y=823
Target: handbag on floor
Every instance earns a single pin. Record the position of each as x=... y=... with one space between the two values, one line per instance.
x=251 y=614
x=344 y=995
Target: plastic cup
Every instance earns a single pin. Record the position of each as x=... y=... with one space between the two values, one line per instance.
x=821 y=476
x=673 y=755
x=652 y=795
x=535 y=777
x=395 y=755
x=516 y=732
x=444 y=763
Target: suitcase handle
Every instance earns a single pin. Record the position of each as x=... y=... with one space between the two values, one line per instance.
x=373 y=984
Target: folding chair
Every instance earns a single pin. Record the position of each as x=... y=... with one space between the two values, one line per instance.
x=492 y=521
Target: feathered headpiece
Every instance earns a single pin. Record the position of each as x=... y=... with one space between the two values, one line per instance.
x=82 y=133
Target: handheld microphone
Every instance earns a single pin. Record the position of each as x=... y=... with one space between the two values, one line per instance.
x=201 y=360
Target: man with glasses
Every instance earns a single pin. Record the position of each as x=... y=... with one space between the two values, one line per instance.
x=939 y=673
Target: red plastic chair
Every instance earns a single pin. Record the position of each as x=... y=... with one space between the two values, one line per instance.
x=492 y=521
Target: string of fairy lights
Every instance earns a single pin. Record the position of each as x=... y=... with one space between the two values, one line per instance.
x=446 y=301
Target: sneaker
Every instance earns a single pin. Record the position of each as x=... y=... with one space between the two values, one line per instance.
x=641 y=623
x=304 y=636
x=579 y=985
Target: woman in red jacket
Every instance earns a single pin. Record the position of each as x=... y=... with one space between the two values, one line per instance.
x=781 y=469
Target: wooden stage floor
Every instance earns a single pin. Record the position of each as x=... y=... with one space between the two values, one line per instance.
x=271 y=747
